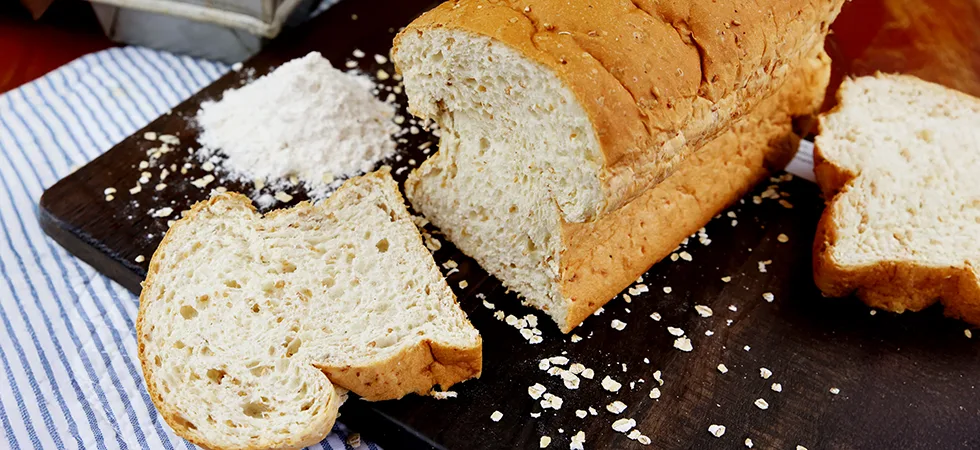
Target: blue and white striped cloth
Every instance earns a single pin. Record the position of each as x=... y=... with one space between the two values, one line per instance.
x=71 y=378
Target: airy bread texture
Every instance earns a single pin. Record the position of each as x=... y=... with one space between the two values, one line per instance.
x=481 y=190
x=598 y=101
x=898 y=160
x=247 y=323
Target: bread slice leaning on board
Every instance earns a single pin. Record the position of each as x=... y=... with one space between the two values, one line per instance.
x=251 y=328
x=898 y=160
x=557 y=114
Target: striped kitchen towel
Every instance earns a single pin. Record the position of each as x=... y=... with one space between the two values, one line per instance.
x=70 y=375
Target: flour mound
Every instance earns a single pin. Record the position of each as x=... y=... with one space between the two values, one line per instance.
x=305 y=119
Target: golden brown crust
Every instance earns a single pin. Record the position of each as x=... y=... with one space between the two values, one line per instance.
x=895 y=286
x=604 y=257
x=415 y=369
x=657 y=79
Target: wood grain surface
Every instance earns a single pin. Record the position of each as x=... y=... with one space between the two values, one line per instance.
x=905 y=381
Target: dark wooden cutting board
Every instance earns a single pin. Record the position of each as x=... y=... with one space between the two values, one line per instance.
x=905 y=381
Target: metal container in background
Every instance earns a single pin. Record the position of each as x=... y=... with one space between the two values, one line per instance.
x=223 y=30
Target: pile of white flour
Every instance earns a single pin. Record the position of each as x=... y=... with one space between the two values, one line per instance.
x=305 y=120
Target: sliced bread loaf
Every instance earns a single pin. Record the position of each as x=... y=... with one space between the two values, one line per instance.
x=247 y=323
x=898 y=161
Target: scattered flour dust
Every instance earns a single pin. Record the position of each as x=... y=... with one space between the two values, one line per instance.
x=305 y=120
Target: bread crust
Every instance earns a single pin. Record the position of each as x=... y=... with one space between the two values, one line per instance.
x=895 y=286
x=604 y=257
x=413 y=370
x=658 y=79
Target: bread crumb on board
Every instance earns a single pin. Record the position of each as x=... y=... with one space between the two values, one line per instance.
x=496 y=416
x=716 y=430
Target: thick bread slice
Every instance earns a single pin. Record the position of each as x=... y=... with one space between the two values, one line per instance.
x=898 y=160
x=479 y=198
x=603 y=98
x=246 y=322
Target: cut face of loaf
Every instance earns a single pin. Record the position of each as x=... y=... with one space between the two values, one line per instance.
x=589 y=104
x=482 y=193
x=902 y=156
x=247 y=323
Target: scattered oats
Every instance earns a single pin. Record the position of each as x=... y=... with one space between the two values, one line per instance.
x=581 y=413
x=768 y=296
x=163 y=212
x=645 y=440
x=873 y=312
x=729 y=322
x=161 y=186
x=109 y=197
x=618 y=324
x=169 y=139
x=800 y=447
x=443 y=395
x=599 y=311
x=593 y=412
x=380 y=59
x=536 y=390
x=545 y=442
x=968 y=333
x=776 y=387
x=731 y=214
x=382 y=75
x=655 y=316
x=761 y=403
x=722 y=368
x=782 y=238
x=463 y=284
x=657 y=376
x=576 y=368
x=358 y=53
x=588 y=373
x=834 y=391
x=204 y=181
x=763 y=264
x=571 y=380
x=765 y=373
x=109 y=191
x=675 y=331
x=575 y=338
x=624 y=367
x=623 y=425
x=634 y=434
x=526 y=333
x=610 y=384
x=734 y=222
x=488 y=305
x=686 y=256
x=732 y=308
x=578 y=441
x=704 y=311
x=350 y=64
x=559 y=360
x=709 y=333
x=150 y=136
x=756 y=199
x=208 y=166
x=536 y=415
x=667 y=289
x=726 y=279
x=259 y=184
x=748 y=443
x=140 y=258
x=683 y=344
x=616 y=407
x=785 y=204
x=717 y=430
x=413 y=130
x=499 y=315
x=399 y=120
x=673 y=257
x=747 y=348
x=551 y=401
x=496 y=416
x=283 y=197
x=655 y=393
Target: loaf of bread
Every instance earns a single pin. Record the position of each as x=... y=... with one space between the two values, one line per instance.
x=557 y=115
x=898 y=161
x=251 y=328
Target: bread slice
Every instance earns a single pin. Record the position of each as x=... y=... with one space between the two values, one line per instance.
x=594 y=102
x=898 y=161
x=483 y=197
x=249 y=326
